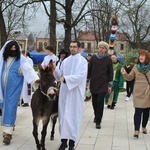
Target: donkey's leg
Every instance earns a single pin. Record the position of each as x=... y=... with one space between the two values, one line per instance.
x=54 y=120
x=35 y=134
x=44 y=132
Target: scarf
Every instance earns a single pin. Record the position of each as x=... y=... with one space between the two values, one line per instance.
x=143 y=68
x=115 y=66
x=101 y=56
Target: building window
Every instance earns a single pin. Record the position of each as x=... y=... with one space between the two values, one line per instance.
x=89 y=47
x=45 y=44
x=121 y=46
x=21 y=46
x=82 y=45
x=40 y=47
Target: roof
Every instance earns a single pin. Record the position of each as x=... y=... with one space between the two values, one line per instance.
x=90 y=36
x=121 y=37
x=86 y=36
x=43 y=34
x=17 y=35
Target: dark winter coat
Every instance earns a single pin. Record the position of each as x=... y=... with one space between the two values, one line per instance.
x=100 y=73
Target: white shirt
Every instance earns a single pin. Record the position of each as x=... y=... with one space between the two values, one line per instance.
x=48 y=58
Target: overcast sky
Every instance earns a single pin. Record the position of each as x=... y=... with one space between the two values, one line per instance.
x=40 y=23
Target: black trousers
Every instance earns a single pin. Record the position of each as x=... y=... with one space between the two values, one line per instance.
x=129 y=87
x=141 y=114
x=98 y=106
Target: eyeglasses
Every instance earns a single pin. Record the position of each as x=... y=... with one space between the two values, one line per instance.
x=73 y=47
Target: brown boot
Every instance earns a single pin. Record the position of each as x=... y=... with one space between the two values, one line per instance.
x=7 y=138
x=144 y=130
x=136 y=134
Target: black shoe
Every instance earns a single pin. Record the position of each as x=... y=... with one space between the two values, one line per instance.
x=25 y=105
x=112 y=107
x=63 y=146
x=108 y=106
x=98 y=126
x=71 y=148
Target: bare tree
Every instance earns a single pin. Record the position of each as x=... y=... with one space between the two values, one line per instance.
x=135 y=22
x=100 y=20
x=67 y=18
x=52 y=15
x=11 y=18
x=53 y=36
x=3 y=33
x=64 y=8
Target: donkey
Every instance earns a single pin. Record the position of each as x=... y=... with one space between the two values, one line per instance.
x=44 y=103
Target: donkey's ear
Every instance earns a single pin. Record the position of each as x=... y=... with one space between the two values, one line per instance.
x=51 y=62
x=51 y=65
x=39 y=66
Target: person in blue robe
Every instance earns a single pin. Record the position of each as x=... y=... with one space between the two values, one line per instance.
x=13 y=69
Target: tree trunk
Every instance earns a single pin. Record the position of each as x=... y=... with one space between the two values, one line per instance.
x=3 y=33
x=67 y=26
x=67 y=39
x=53 y=37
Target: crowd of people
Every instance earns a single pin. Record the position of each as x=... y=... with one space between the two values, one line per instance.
x=98 y=77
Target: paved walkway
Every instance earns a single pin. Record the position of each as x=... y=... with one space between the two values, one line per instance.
x=116 y=132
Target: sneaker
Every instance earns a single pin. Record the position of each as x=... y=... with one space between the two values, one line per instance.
x=127 y=98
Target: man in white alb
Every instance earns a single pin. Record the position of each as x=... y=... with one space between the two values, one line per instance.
x=71 y=96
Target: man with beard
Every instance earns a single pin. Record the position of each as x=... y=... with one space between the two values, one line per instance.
x=71 y=96
x=13 y=69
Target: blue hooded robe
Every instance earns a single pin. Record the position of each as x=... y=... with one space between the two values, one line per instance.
x=11 y=79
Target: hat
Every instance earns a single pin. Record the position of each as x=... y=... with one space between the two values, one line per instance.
x=102 y=43
x=62 y=51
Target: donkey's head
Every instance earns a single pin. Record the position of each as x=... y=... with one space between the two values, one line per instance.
x=47 y=81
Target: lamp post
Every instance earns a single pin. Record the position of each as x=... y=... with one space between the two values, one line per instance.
x=57 y=39
x=26 y=44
